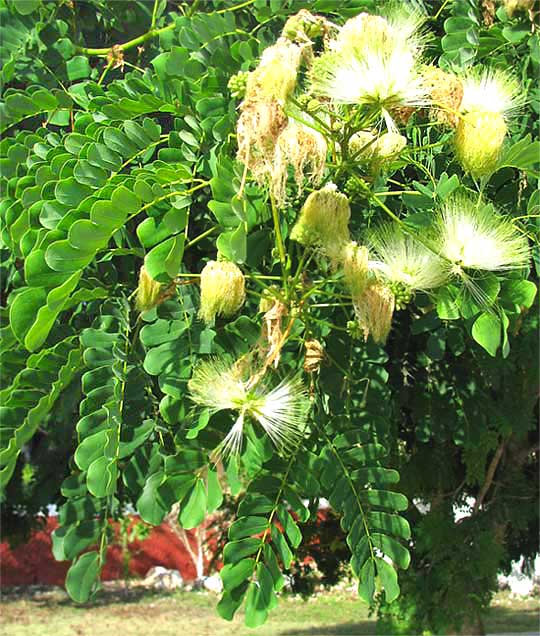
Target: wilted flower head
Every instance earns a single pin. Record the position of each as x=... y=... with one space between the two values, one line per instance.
x=222 y=290
x=148 y=292
x=401 y=259
x=446 y=92
x=275 y=76
x=512 y=6
x=305 y=150
x=313 y=355
x=324 y=219
x=355 y=260
x=374 y=310
x=258 y=129
x=373 y=61
x=282 y=411
x=474 y=236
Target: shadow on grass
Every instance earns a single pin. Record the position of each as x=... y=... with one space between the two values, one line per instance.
x=499 y=620
x=120 y=597
x=506 y=619
x=57 y=597
x=363 y=628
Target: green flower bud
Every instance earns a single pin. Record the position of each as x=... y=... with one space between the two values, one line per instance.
x=238 y=83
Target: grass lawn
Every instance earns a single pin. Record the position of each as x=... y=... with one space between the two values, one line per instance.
x=138 y=612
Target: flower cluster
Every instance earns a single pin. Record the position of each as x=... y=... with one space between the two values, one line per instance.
x=339 y=105
x=268 y=139
x=386 y=273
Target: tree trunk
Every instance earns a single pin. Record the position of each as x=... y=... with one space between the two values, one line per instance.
x=472 y=626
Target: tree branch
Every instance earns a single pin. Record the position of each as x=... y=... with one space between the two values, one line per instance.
x=490 y=474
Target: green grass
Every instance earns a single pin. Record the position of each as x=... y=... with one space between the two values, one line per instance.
x=138 y=612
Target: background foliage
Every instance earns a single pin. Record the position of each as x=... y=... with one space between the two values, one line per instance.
x=111 y=155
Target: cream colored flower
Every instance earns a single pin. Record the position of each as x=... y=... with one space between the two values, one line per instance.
x=401 y=259
x=474 y=236
x=374 y=310
x=374 y=61
x=489 y=98
x=355 y=262
x=222 y=290
x=275 y=76
x=148 y=291
x=324 y=220
x=281 y=411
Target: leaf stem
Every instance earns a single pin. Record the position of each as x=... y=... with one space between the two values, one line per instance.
x=279 y=241
x=127 y=45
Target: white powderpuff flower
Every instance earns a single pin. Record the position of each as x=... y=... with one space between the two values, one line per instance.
x=402 y=259
x=474 y=236
x=491 y=91
x=373 y=62
x=281 y=411
x=489 y=97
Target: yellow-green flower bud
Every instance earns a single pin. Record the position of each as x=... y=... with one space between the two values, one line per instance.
x=378 y=151
x=222 y=290
x=324 y=219
x=303 y=26
x=237 y=84
x=148 y=292
x=361 y=144
x=388 y=147
x=478 y=141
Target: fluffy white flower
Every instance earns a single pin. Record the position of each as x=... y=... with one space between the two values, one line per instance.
x=401 y=259
x=474 y=236
x=373 y=61
x=490 y=91
x=219 y=385
x=489 y=97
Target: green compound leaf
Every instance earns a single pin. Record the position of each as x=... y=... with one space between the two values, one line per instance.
x=356 y=483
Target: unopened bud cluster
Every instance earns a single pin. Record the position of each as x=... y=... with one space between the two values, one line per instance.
x=237 y=84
